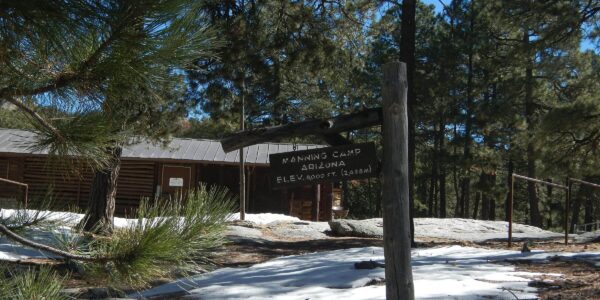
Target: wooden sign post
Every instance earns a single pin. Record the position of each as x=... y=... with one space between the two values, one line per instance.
x=330 y=164
x=393 y=116
x=396 y=222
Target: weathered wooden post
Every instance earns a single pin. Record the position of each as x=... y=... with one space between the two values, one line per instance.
x=315 y=203
x=242 y=164
x=567 y=205
x=396 y=222
x=511 y=195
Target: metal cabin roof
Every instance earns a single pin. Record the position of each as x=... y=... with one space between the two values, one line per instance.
x=197 y=150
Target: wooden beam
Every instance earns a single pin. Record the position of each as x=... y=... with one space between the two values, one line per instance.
x=322 y=127
x=396 y=208
x=336 y=140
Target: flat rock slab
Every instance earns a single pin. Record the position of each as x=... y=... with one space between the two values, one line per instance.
x=479 y=230
x=450 y=228
x=587 y=237
x=243 y=233
x=298 y=230
x=371 y=228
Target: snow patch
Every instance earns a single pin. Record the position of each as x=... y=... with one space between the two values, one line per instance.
x=445 y=272
x=264 y=218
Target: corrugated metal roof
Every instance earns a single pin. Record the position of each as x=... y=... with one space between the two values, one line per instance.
x=206 y=151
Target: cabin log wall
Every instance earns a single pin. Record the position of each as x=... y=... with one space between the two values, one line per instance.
x=139 y=178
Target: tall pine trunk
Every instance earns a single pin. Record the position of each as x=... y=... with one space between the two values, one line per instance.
x=466 y=181
x=588 y=216
x=476 y=204
x=534 y=212
x=434 y=175
x=576 y=207
x=442 y=166
x=455 y=180
x=101 y=205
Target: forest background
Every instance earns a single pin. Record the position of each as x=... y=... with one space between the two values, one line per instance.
x=498 y=87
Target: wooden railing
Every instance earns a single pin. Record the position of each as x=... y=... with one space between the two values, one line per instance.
x=19 y=184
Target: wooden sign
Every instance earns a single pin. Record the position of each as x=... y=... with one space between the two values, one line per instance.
x=329 y=164
x=175 y=181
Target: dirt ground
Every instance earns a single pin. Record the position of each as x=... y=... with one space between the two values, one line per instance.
x=249 y=252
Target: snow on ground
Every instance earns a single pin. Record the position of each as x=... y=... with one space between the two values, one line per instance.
x=264 y=218
x=478 y=230
x=446 y=272
x=12 y=252
x=68 y=218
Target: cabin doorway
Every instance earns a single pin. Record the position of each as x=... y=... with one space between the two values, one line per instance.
x=175 y=179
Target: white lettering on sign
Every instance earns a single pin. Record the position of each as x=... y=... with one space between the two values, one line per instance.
x=175 y=181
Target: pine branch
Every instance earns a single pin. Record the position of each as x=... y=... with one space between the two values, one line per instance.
x=34 y=115
x=64 y=78
x=29 y=243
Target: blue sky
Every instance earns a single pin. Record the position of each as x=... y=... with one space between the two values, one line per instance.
x=586 y=44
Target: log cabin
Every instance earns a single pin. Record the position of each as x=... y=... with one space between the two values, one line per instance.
x=151 y=170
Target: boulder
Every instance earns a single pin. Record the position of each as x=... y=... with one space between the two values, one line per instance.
x=372 y=228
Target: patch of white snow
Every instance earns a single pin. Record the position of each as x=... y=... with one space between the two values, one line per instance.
x=446 y=272
x=264 y=218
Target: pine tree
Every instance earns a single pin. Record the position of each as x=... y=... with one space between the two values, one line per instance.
x=116 y=68
x=292 y=60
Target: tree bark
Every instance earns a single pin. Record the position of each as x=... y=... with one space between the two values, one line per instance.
x=101 y=205
x=396 y=203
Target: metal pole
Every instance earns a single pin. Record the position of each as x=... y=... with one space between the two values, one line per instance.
x=316 y=203
x=25 y=185
x=585 y=182
x=567 y=204
x=511 y=191
x=242 y=166
x=26 y=195
x=540 y=181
